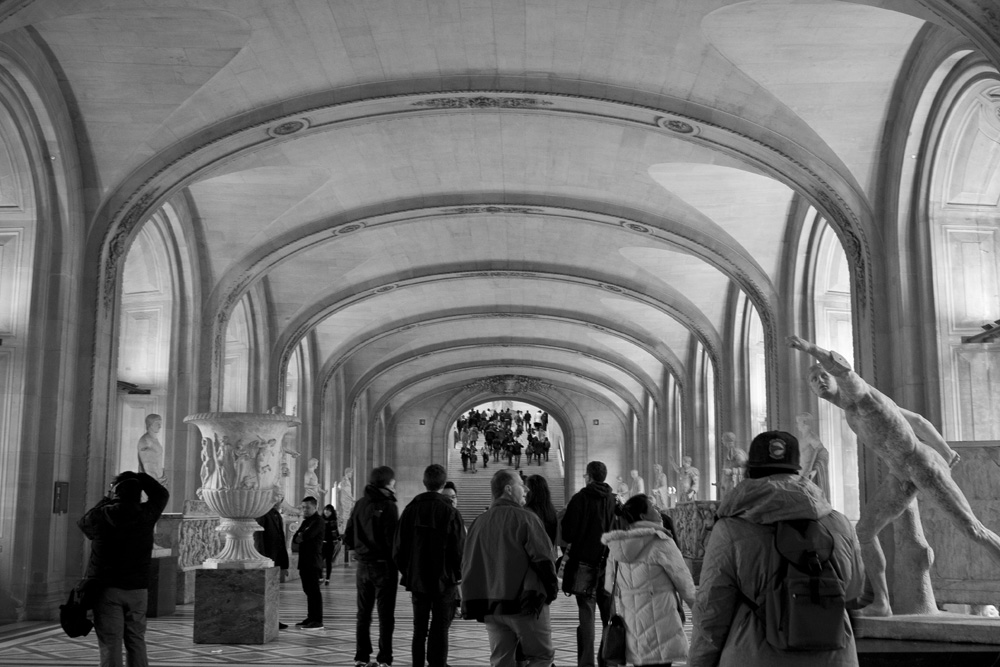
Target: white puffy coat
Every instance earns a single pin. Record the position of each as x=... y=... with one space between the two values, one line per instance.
x=650 y=569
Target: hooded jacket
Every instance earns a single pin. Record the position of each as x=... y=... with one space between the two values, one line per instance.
x=507 y=567
x=372 y=526
x=428 y=547
x=650 y=568
x=589 y=514
x=741 y=558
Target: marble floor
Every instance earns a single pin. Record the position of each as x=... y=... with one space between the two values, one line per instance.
x=170 y=644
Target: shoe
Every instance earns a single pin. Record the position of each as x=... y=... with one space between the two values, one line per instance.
x=313 y=625
x=360 y=663
x=326 y=582
x=282 y=626
x=302 y=622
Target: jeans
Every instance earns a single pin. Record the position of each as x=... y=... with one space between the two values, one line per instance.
x=534 y=634
x=120 y=617
x=376 y=584
x=585 y=631
x=438 y=610
x=314 y=599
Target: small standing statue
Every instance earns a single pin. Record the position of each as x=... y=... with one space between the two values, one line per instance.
x=814 y=456
x=345 y=499
x=622 y=490
x=311 y=481
x=735 y=464
x=638 y=485
x=151 y=451
x=661 y=492
x=688 y=479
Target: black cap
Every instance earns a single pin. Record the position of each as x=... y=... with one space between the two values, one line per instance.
x=774 y=449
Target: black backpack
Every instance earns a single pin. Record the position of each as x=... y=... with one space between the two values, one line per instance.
x=803 y=604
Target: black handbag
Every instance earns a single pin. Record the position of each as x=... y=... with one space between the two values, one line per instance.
x=615 y=632
x=579 y=578
x=73 y=617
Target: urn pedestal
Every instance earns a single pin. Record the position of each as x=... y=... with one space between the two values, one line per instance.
x=236 y=591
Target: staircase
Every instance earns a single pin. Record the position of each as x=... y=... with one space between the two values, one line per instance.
x=474 y=495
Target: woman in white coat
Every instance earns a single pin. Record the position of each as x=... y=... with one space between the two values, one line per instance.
x=650 y=574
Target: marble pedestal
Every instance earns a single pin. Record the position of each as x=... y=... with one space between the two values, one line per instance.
x=940 y=627
x=236 y=606
x=162 y=600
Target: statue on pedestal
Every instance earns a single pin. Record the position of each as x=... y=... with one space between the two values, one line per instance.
x=345 y=499
x=637 y=486
x=688 y=477
x=151 y=451
x=814 y=456
x=918 y=460
x=661 y=492
x=311 y=482
x=735 y=469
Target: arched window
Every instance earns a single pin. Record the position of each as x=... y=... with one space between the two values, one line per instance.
x=963 y=207
x=832 y=322
x=236 y=375
x=144 y=336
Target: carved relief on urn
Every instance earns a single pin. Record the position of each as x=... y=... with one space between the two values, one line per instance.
x=240 y=468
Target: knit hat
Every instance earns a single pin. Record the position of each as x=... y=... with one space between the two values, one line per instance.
x=774 y=449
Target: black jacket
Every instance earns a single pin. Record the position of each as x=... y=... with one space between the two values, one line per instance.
x=372 y=527
x=590 y=514
x=428 y=546
x=122 y=537
x=309 y=537
x=270 y=542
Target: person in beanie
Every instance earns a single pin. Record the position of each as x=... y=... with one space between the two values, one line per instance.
x=741 y=561
x=370 y=532
x=121 y=530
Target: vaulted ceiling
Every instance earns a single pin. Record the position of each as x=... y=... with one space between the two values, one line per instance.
x=440 y=190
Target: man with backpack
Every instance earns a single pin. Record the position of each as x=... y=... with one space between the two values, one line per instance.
x=778 y=570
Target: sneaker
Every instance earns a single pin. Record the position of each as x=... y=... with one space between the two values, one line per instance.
x=360 y=663
x=313 y=625
x=302 y=622
x=282 y=626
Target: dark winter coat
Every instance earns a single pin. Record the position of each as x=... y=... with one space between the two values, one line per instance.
x=371 y=529
x=309 y=537
x=122 y=537
x=589 y=514
x=270 y=542
x=428 y=545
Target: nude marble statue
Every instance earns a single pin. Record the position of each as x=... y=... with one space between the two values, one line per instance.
x=151 y=451
x=345 y=498
x=688 y=479
x=637 y=486
x=735 y=469
x=661 y=492
x=814 y=457
x=918 y=460
x=311 y=481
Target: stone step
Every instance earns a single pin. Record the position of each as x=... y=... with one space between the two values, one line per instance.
x=474 y=495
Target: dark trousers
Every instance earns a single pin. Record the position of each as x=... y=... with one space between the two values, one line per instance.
x=376 y=585
x=437 y=611
x=314 y=599
x=585 y=631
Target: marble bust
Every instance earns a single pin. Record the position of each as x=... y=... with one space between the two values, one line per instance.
x=151 y=451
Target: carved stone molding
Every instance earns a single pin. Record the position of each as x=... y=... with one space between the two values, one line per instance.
x=119 y=243
x=483 y=102
x=472 y=210
x=509 y=385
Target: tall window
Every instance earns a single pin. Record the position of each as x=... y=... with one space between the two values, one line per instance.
x=964 y=218
x=756 y=370
x=144 y=337
x=236 y=380
x=834 y=331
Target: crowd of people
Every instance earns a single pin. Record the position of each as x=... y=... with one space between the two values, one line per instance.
x=506 y=436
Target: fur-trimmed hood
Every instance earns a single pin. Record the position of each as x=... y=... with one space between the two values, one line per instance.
x=629 y=545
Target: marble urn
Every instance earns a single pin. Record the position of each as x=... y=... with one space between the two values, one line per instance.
x=240 y=467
